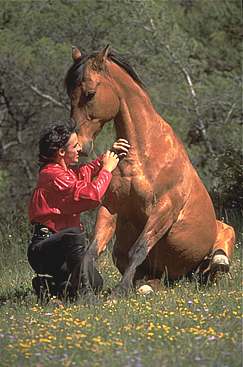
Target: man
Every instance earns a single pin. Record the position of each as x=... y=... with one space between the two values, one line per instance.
x=61 y=194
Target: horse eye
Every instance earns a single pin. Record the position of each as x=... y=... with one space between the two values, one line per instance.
x=90 y=94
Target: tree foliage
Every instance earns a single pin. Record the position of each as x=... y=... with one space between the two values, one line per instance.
x=186 y=51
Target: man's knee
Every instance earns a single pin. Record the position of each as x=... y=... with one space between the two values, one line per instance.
x=75 y=238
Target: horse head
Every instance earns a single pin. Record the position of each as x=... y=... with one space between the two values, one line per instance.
x=94 y=99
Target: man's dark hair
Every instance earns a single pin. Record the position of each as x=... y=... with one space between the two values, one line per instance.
x=52 y=138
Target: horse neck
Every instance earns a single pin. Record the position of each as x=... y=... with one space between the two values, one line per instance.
x=137 y=119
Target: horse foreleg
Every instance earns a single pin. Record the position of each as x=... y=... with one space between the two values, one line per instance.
x=159 y=222
x=104 y=230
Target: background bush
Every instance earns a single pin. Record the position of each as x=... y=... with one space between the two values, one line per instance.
x=167 y=41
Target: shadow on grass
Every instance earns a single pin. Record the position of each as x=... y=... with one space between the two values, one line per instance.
x=17 y=296
x=26 y=296
x=23 y=294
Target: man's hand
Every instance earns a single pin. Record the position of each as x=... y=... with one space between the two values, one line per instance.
x=121 y=147
x=110 y=160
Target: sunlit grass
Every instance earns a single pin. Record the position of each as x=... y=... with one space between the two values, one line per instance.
x=180 y=325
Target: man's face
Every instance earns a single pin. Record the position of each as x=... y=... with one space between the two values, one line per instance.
x=72 y=150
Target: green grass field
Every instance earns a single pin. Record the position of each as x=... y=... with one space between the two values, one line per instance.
x=181 y=325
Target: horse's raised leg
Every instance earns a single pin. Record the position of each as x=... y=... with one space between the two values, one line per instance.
x=104 y=230
x=225 y=239
x=222 y=248
x=159 y=222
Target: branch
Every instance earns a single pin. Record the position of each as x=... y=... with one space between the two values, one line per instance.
x=27 y=169
x=9 y=145
x=229 y=113
x=200 y=125
x=47 y=97
x=42 y=94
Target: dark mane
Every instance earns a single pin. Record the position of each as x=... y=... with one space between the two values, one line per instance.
x=75 y=72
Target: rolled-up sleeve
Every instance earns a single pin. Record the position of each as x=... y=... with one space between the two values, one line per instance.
x=80 y=195
x=88 y=171
x=94 y=190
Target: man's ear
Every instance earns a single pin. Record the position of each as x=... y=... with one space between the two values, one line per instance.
x=61 y=152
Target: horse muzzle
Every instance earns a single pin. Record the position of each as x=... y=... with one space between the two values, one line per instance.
x=86 y=148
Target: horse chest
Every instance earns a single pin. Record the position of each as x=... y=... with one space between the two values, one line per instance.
x=130 y=194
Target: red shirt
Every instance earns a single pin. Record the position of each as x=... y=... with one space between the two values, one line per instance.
x=60 y=196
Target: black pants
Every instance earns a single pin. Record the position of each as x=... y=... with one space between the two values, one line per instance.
x=60 y=255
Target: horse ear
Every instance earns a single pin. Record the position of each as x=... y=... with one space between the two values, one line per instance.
x=76 y=53
x=100 y=59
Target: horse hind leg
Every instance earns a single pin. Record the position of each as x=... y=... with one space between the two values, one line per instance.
x=225 y=239
x=217 y=261
x=222 y=249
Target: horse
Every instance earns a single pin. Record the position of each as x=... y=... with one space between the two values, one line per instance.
x=156 y=205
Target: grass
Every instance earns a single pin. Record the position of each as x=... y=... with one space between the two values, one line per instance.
x=181 y=325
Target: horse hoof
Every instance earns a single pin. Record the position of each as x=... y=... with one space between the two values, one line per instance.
x=145 y=289
x=44 y=287
x=220 y=263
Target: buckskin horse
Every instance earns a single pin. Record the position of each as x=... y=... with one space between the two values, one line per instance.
x=156 y=204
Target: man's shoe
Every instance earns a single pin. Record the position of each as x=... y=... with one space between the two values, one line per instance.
x=36 y=284
x=44 y=286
